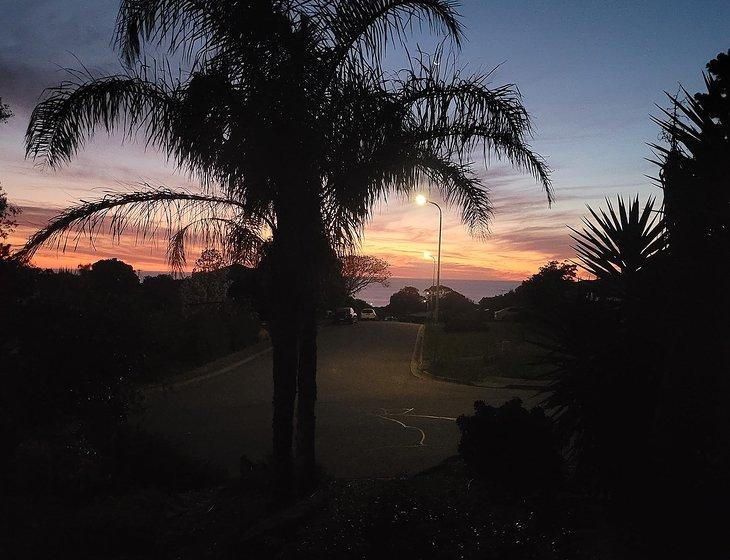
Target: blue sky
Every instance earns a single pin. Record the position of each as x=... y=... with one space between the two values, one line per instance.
x=590 y=73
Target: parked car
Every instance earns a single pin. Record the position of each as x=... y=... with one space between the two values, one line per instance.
x=368 y=315
x=345 y=315
x=508 y=314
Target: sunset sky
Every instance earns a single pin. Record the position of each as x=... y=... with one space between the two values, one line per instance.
x=590 y=72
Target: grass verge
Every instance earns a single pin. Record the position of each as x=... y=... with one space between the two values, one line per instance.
x=502 y=349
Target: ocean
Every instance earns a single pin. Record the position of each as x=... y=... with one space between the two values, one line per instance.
x=379 y=296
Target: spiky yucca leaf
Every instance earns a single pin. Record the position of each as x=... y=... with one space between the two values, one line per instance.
x=617 y=244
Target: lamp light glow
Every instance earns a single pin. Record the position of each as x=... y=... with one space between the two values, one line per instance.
x=421 y=200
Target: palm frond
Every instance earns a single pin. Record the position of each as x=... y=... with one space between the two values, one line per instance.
x=192 y=124
x=393 y=137
x=360 y=29
x=460 y=114
x=238 y=240
x=68 y=115
x=150 y=213
x=201 y=29
x=402 y=170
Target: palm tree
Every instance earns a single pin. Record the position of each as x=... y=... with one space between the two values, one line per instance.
x=289 y=121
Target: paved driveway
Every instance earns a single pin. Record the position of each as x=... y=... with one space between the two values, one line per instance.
x=374 y=418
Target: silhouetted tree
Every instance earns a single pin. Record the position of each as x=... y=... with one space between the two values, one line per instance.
x=406 y=301
x=614 y=247
x=7 y=223
x=301 y=78
x=546 y=290
x=360 y=271
x=210 y=260
x=695 y=180
x=5 y=112
x=110 y=276
x=162 y=292
x=208 y=284
x=618 y=248
x=695 y=167
x=453 y=304
x=642 y=383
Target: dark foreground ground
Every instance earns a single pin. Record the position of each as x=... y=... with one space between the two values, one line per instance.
x=439 y=514
x=374 y=418
x=392 y=487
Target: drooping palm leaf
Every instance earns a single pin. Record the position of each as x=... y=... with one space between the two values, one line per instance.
x=69 y=113
x=150 y=214
x=237 y=240
x=362 y=28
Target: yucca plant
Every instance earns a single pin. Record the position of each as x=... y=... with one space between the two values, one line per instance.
x=617 y=244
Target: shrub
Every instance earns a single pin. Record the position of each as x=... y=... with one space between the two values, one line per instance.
x=604 y=406
x=475 y=320
x=511 y=447
x=66 y=467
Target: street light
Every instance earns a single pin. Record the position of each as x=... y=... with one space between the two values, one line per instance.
x=421 y=200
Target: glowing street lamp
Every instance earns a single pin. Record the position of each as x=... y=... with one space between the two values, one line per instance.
x=421 y=200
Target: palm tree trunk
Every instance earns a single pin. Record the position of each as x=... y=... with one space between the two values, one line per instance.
x=284 y=343
x=307 y=398
x=285 y=327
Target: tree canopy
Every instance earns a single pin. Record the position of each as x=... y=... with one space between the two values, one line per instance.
x=7 y=223
x=360 y=271
x=5 y=112
x=407 y=300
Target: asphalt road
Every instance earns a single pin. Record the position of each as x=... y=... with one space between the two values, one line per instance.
x=374 y=418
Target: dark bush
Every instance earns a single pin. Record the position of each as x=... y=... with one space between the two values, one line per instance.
x=474 y=320
x=406 y=301
x=510 y=447
x=74 y=346
x=608 y=449
x=453 y=304
x=101 y=502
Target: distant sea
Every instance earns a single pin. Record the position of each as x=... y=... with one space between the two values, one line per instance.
x=379 y=296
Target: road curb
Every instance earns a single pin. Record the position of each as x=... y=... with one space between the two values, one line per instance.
x=418 y=371
x=158 y=387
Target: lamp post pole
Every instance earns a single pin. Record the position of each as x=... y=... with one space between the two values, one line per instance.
x=438 y=267
x=422 y=200
x=433 y=281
